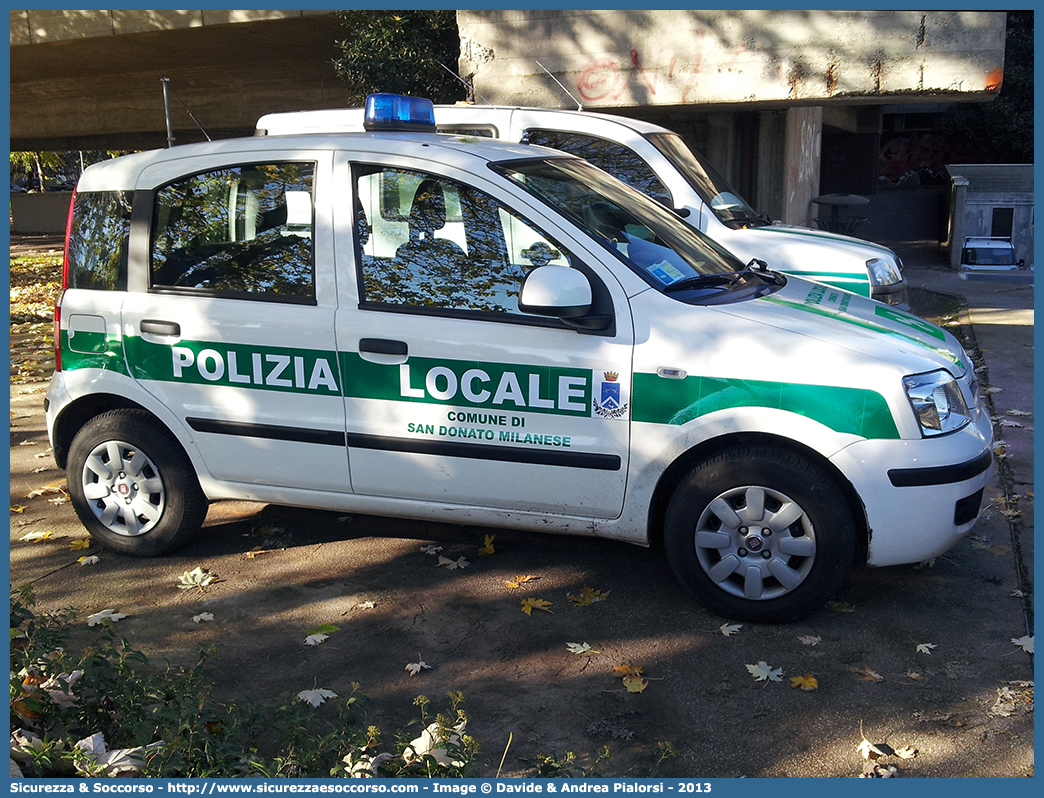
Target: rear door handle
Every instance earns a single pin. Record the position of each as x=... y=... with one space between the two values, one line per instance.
x=167 y=328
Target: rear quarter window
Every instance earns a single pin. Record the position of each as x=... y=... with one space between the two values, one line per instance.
x=98 y=240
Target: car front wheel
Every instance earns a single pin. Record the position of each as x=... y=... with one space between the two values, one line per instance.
x=760 y=534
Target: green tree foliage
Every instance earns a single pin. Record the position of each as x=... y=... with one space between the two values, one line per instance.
x=401 y=52
x=1002 y=131
x=26 y=163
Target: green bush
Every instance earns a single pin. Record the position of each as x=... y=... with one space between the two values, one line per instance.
x=109 y=711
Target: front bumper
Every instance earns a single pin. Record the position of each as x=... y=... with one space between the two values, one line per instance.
x=927 y=498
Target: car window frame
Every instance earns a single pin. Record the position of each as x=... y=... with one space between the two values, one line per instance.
x=150 y=215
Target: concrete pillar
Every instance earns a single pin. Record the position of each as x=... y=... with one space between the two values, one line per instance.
x=959 y=196
x=801 y=159
x=720 y=146
x=772 y=132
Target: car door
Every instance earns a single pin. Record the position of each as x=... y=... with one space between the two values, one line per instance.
x=452 y=394
x=234 y=331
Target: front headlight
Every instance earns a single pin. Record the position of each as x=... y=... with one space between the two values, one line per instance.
x=883 y=273
x=937 y=402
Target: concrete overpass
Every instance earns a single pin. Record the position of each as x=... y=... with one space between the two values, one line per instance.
x=85 y=80
x=754 y=91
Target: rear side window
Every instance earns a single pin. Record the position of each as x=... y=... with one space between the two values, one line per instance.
x=98 y=240
x=239 y=232
x=609 y=156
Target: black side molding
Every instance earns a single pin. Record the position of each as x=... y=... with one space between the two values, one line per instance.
x=267 y=431
x=472 y=451
x=940 y=475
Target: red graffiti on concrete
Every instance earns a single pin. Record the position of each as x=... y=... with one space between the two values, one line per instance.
x=600 y=80
x=606 y=79
x=637 y=62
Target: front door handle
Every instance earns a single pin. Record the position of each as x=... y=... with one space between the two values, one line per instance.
x=384 y=351
x=383 y=346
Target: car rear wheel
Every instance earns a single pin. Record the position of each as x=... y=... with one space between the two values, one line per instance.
x=760 y=534
x=132 y=485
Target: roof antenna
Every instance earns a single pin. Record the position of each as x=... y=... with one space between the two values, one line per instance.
x=467 y=85
x=166 y=106
x=579 y=106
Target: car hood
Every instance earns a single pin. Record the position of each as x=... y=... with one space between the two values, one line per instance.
x=792 y=234
x=840 y=318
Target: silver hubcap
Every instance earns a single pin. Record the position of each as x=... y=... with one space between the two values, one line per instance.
x=755 y=543
x=123 y=488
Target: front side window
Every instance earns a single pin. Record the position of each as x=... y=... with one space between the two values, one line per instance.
x=428 y=243
x=621 y=162
x=730 y=208
x=98 y=240
x=241 y=232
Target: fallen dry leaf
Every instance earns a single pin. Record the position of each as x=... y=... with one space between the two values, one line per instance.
x=589 y=596
x=416 y=667
x=90 y=559
x=1025 y=643
x=807 y=682
x=36 y=537
x=634 y=684
x=197 y=578
x=316 y=696
x=203 y=617
x=530 y=604
x=729 y=629
x=80 y=544
x=44 y=491
x=431 y=549
x=810 y=640
x=105 y=615
x=869 y=751
x=627 y=669
x=487 y=547
x=453 y=565
x=520 y=580
x=868 y=674
x=763 y=672
x=925 y=648
x=581 y=648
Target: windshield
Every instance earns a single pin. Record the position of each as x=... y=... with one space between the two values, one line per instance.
x=730 y=208
x=649 y=238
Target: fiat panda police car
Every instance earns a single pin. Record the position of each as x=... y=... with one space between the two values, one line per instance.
x=431 y=326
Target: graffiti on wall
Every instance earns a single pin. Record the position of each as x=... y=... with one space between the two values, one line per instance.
x=607 y=79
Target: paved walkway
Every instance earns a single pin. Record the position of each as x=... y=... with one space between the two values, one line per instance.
x=998 y=313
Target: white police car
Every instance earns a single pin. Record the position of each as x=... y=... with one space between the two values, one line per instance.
x=657 y=162
x=431 y=326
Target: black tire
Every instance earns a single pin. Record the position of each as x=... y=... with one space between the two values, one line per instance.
x=150 y=474
x=717 y=546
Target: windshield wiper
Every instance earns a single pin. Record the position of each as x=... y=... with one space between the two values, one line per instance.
x=704 y=281
x=757 y=268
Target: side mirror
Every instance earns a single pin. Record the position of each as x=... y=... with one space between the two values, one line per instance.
x=555 y=291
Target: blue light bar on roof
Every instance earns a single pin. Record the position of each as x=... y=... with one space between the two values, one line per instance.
x=398 y=112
